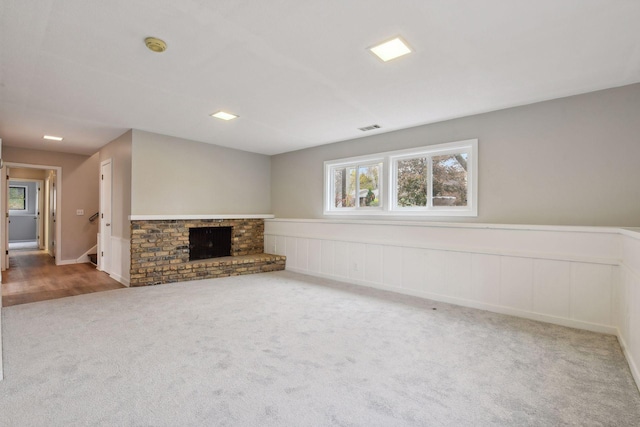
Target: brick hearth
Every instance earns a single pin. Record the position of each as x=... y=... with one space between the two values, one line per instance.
x=160 y=251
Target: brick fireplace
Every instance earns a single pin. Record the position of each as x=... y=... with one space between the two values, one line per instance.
x=160 y=250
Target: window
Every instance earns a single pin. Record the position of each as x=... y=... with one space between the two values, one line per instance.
x=17 y=198
x=356 y=186
x=437 y=180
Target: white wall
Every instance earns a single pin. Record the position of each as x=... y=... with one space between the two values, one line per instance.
x=176 y=176
x=570 y=161
x=582 y=277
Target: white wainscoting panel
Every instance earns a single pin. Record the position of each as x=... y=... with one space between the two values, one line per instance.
x=412 y=268
x=291 y=250
x=552 y=287
x=587 y=244
x=373 y=263
x=516 y=283
x=591 y=290
x=627 y=302
x=326 y=258
x=563 y=275
x=270 y=244
x=315 y=256
x=458 y=274
x=356 y=261
x=435 y=272
x=485 y=276
x=341 y=259
x=281 y=244
x=121 y=259
x=302 y=254
x=392 y=266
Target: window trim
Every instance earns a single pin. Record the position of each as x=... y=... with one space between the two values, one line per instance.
x=26 y=197
x=355 y=162
x=388 y=190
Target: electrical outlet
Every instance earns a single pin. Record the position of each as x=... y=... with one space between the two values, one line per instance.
x=80 y=212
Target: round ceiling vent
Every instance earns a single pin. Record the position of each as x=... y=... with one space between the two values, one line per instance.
x=155 y=44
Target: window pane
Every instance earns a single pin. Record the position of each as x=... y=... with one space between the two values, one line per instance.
x=450 y=180
x=412 y=182
x=17 y=198
x=369 y=177
x=344 y=184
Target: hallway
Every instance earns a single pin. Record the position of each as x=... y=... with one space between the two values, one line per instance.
x=33 y=276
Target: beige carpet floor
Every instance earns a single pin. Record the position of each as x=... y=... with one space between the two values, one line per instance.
x=282 y=349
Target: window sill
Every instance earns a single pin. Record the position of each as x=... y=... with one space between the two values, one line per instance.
x=409 y=213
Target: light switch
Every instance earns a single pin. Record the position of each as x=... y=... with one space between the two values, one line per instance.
x=80 y=212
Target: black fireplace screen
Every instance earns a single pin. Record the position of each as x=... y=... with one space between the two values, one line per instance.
x=209 y=242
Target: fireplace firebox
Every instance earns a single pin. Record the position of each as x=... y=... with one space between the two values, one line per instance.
x=209 y=242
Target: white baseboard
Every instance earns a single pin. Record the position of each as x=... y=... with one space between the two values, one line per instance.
x=69 y=262
x=471 y=304
x=121 y=279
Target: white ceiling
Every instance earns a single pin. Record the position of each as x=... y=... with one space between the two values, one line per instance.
x=297 y=72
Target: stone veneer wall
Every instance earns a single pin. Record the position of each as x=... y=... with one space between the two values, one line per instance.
x=160 y=251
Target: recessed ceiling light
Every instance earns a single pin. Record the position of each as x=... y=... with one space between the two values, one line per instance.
x=52 y=138
x=222 y=115
x=391 y=49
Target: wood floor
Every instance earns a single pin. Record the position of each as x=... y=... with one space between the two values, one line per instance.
x=33 y=276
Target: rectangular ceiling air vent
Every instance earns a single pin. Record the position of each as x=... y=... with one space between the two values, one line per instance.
x=368 y=128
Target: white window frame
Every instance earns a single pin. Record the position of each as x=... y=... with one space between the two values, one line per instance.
x=26 y=198
x=354 y=162
x=388 y=190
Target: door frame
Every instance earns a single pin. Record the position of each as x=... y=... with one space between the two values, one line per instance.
x=4 y=184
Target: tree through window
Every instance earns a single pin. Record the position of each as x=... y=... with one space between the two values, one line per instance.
x=17 y=197
x=356 y=186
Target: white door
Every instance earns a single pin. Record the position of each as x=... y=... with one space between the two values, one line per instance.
x=53 y=193
x=5 y=222
x=3 y=203
x=45 y=211
x=39 y=206
x=104 y=258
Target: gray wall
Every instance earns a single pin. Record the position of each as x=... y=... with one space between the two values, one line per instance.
x=22 y=224
x=177 y=176
x=569 y=161
x=119 y=151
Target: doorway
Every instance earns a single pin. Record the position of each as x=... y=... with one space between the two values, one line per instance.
x=26 y=204
x=39 y=274
x=39 y=214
